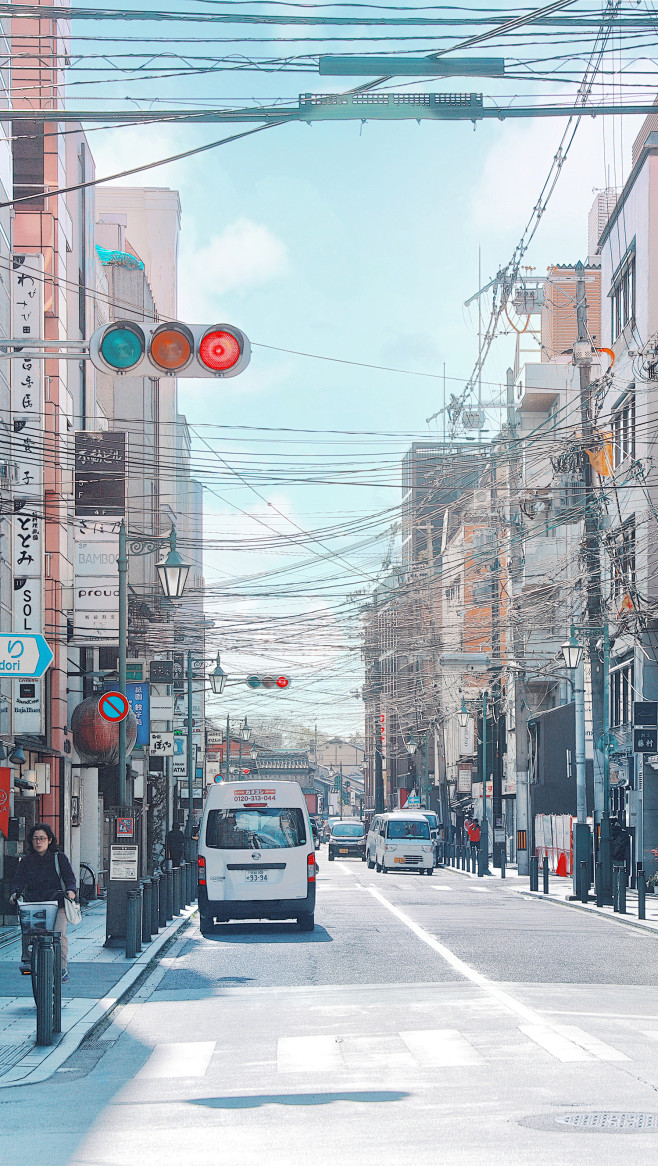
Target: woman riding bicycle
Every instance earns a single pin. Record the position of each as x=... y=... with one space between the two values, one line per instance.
x=38 y=881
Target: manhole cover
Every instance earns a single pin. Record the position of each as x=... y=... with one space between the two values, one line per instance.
x=610 y=1121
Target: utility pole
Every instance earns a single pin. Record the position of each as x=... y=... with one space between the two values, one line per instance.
x=341 y=788
x=515 y=559
x=593 y=597
x=377 y=690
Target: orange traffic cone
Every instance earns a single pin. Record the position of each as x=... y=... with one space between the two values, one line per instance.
x=562 y=866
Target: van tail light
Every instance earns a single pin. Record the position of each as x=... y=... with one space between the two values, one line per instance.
x=310 y=867
x=201 y=862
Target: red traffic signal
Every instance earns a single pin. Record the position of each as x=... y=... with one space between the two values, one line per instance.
x=132 y=348
x=268 y=681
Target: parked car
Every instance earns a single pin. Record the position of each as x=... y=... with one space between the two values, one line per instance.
x=347 y=840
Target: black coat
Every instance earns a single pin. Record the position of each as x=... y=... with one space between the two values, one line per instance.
x=36 y=877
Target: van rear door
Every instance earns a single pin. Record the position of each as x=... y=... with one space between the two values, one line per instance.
x=259 y=850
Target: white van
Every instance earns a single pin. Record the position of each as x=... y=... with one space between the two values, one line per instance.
x=256 y=854
x=400 y=841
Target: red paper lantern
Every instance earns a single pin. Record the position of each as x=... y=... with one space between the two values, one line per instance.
x=96 y=740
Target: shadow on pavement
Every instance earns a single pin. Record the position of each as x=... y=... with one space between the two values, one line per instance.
x=255 y=1100
x=268 y=933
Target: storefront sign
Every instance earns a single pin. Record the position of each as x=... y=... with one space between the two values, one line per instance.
x=138 y=699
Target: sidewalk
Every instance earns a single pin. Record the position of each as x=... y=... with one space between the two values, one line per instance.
x=560 y=890
x=99 y=977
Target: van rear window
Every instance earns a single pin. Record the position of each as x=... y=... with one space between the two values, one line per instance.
x=262 y=828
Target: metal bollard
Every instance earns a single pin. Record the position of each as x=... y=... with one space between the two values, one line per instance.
x=584 y=881
x=177 y=890
x=45 y=967
x=147 y=896
x=641 y=894
x=482 y=863
x=183 y=884
x=187 y=885
x=155 y=902
x=162 y=900
x=534 y=873
x=57 y=982
x=132 y=924
x=615 y=888
x=193 y=881
x=544 y=871
x=599 y=884
x=622 y=891
x=169 y=876
x=503 y=860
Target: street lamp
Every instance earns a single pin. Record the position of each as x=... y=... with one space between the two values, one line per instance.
x=573 y=658
x=572 y=652
x=173 y=576
x=217 y=678
x=173 y=571
x=18 y=756
x=245 y=731
x=462 y=716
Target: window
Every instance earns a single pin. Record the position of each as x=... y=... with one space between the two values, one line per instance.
x=623 y=431
x=347 y=830
x=256 y=828
x=408 y=830
x=622 y=294
x=622 y=551
x=621 y=695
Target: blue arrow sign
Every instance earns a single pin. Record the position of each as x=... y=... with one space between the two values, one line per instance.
x=24 y=656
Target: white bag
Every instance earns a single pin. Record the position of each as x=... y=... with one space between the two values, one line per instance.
x=71 y=908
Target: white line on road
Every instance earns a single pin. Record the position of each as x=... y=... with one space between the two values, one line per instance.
x=591 y=1044
x=301 y=1054
x=532 y=1019
x=189 y=1059
x=555 y=1043
x=440 y=1047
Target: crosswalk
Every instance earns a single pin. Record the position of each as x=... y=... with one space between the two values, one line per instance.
x=411 y=1049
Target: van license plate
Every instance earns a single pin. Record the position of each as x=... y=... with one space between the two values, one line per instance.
x=399 y=860
x=256 y=876
x=343 y=851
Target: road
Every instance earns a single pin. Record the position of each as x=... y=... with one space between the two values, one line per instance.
x=438 y=1019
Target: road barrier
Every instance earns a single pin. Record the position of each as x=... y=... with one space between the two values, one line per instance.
x=155 y=902
x=147 y=907
x=44 y=964
x=133 y=923
x=584 y=881
x=641 y=894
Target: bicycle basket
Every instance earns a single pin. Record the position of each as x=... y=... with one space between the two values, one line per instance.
x=38 y=916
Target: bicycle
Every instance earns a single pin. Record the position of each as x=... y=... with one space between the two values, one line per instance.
x=35 y=919
x=87 y=884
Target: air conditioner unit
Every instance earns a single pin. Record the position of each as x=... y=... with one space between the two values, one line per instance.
x=569 y=498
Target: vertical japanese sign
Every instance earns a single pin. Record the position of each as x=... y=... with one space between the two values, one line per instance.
x=28 y=440
x=138 y=699
x=100 y=473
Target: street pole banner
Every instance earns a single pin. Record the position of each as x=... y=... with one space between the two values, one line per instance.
x=96 y=588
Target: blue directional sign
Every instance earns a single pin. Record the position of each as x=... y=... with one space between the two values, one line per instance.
x=24 y=656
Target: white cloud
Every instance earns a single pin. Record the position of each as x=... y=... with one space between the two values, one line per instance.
x=245 y=255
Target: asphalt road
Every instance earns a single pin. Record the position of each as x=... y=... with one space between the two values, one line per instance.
x=425 y=1017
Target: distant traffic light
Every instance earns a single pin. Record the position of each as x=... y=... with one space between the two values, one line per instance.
x=267 y=681
x=131 y=348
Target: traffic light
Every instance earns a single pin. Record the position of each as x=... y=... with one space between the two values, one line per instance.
x=268 y=681
x=131 y=348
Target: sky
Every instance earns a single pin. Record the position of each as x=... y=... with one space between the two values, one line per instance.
x=353 y=242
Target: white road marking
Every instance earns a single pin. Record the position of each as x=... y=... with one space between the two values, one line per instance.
x=555 y=1043
x=533 y=1020
x=652 y=1032
x=481 y=890
x=440 y=888
x=187 y=1059
x=440 y=1047
x=303 y=1054
x=591 y=1044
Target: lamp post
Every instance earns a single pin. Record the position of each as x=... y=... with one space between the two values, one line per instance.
x=173 y=574
x=573 y=658
x=484 y=831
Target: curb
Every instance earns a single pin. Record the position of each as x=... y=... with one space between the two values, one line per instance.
x=40 y=1064
x=638 y=924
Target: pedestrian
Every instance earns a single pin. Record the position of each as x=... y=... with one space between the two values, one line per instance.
x=474 y=835
x=45 y=875
x=175 y=845
x=620 y=846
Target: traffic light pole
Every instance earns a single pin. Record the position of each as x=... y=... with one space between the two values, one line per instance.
x=189 y=845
